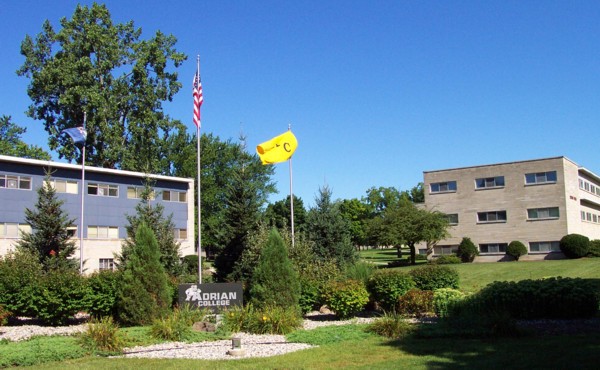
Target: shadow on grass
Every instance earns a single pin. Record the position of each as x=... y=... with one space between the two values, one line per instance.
x=532 y=352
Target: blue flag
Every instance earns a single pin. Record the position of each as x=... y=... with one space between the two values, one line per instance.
x=78 y=134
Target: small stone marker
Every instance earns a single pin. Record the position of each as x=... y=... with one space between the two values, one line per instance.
x=236 y=347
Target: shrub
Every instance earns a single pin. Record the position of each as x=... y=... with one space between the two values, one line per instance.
x=551 y=298
x=309 y=295
x=444 y=298
x=391 y=325
x=416 y=302
x=575 y=245
x=266 y=320
x=60 y=295
x=190 y=264
x=102 y=336
x=594 y=248
x=4 y=315
x=172 y=328
x=274 y=281
x=20 y=276
x=445 y=260
x=516 y=249
x=103 y=288
x=467 y=250
x=345 y=298
x=420 y=257
x=361 y=270
x=432 y=277
x=386 y=286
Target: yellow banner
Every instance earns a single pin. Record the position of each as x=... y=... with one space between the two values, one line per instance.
x=278 y=149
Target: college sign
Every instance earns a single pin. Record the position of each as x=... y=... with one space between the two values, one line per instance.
x=215 y=297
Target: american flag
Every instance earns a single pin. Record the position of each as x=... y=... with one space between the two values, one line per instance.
x=198 y=99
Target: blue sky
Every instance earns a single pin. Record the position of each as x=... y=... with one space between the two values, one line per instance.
x=375 y=91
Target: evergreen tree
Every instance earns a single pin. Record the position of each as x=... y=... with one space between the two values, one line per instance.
x=275 y=282
x=330 y=231
x=161 y=226
x=49 y=239
x=244 y=196
x=144 y=293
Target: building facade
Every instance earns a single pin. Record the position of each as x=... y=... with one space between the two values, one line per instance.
x=109 y=196
x=536 y=202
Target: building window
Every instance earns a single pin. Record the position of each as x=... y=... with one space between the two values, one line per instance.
x=174 y=196
x=180 y=233
x=490 y=182
x=445 y=250
x=103 y=232
x=65 y=186
x=582 y=215
x=452 y=218
x=106 y=264
x=544 y=246
x=493 y=216
x=15 y=182
x=135 y=192
x=443 y=187
x=103 y=190
x=540 y=178
x=542 y=213
x=493 y=248
x=72 y=231
x=13 y=230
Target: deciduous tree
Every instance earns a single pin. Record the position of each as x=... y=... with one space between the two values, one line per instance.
x=106 y=70
x=12 y=144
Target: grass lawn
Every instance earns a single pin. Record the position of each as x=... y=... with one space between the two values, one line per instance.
x=474 y=276
x=368 y=351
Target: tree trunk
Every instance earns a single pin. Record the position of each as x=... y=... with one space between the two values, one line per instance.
x=398 y=248
x=413 y=258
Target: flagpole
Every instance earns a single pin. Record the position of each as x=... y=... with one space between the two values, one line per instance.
x=82 y=199
x=199 y=190
x=291 y=195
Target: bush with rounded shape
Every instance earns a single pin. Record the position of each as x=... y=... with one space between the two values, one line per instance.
x=386 y=286
x=467 y=250
x=594 y=248
x=516 y=249
x=102 y=294
x=61 y=295
x=445 y=260
x=575 y=245
x=345 y=298
x=432 y=277
x=416 y=302
x=444 y=298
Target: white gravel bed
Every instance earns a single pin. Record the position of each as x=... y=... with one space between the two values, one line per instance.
x=24 y=332
x=252 y=346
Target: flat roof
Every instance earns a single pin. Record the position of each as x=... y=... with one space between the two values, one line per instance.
x=37 y=162
x=502 y=164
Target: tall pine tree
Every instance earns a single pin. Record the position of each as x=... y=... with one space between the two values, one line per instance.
x=49 y=239
x=161 y=226
x=144 y=292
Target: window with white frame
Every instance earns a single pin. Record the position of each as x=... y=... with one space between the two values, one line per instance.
x=103 y=232
x=135 y=192
x=493 y=248
x=443 y=187
x=65 y=186
x=548 y=177
x=103 y=190
x=492 y=216
x=180 y=233
x=452 y=218
x=489 y=182
x=544 y=246
x=13 y=229
x=542 y=213
x=106 y=264
x=15 y=182
x=174 y=196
